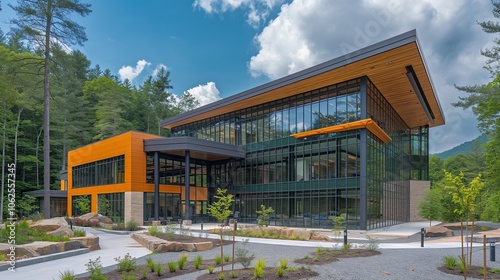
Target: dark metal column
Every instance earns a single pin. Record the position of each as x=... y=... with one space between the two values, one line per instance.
x=156 y=175
x=187 y=174
x=363 y=160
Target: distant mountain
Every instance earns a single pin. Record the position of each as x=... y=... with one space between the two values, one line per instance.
x=462 y=148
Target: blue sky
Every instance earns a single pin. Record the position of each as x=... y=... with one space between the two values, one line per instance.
x=216 y=48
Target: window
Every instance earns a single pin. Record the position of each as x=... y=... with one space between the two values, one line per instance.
x=102 y=172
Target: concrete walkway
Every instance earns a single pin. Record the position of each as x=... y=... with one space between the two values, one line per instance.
x=112 y=246
x=115 y=245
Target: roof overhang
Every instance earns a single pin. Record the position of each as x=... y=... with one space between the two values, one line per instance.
x=198 y=149
x=385 y=63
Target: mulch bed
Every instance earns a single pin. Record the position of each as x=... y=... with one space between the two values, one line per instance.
x=325 y=256
x=193 y=239
x=473 y=272
x=248 y=273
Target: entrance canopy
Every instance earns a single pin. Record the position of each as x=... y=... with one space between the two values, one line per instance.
x=199 y=149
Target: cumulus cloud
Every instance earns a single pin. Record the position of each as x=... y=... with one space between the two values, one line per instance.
x=306 y=33
x=130 y=73
x=205 y=94
x=258 y=10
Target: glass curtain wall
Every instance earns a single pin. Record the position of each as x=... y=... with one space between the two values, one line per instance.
x=102 y=172
x=112 y=205
x=170 y=206
x=388 y=165
x=311 y=181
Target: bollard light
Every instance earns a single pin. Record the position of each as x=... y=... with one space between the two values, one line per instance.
x=71 y=220
x=345 y=236
x=492 y=251
x=201 y=226
x=422 y=236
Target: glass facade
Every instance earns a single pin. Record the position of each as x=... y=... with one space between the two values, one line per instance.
x=172 y=170
x=310 y=181
x=97 y=173
x=170 y=206
x=81 y=204
x=112 y=205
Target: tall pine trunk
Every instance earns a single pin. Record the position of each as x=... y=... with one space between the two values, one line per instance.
x=46 y=116
x=3 y=165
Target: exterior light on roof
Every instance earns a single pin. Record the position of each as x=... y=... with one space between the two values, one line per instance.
x=412 y=77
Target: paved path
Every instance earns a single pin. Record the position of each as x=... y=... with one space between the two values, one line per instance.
x=395 y=262
x=112 y=246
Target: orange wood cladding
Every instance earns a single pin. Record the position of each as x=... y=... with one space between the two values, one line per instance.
x=131 y=145
x=366 y=123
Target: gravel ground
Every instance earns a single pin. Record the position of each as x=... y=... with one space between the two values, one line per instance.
x=390 y=264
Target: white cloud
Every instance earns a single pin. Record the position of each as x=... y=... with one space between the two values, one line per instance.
x=205 y=94
x=130 y=73
x=258 y=10
x=158 y=67
x=306 y=33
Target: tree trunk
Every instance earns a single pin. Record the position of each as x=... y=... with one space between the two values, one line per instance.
x=3 y=166
x=15 y=134
x=46 y=115
x=464 y=263
x=471 y=237
x=37 y=161
x=221 y=250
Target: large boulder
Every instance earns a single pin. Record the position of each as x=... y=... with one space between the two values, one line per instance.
x=94 y=217
x=54 y=226
x=438 y=231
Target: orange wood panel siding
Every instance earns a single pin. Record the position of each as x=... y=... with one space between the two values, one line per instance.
x=366 y=123
x=129 y=144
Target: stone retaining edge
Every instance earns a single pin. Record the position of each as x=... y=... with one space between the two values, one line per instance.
x=46 y=258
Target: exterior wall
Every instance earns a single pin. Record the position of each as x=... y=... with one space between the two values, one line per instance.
x=134 y=207
x=129 y=144
x=418 y=189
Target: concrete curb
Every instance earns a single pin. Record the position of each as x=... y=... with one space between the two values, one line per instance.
x=121 y=232
x=46 y=258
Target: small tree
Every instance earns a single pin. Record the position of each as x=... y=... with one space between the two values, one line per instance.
x=264 y=215
x=82 y=204
x=465 y=198
x=430 y=207
x=221 y=210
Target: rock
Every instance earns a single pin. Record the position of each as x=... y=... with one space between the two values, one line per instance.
x=87 y=216
x=48 y=225
x=202 y=246
x=45 y=248
x=62 y=231
x=87 y=241
x=318 y=236
x=438 y=231
x=72 y=245
x=96 y=217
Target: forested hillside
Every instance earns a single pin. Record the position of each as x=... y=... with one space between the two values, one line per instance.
x=463 y=148
x=86 y=104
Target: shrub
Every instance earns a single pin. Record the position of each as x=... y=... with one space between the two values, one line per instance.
x=182 y=261
x=94 y=268
x=280 y=271
x=283 y=263
x=128 y=276
x=2 y=258
x=197 y=261
x=85 y=223
x=217 y=260
x=233 y=274
x=66 y=275
x=172 y=266
x=260 y=268
x=222 y=276
x=125 y=264
x=227 y=258
x=154 y=231
x=151 y=264
x=79 y=233
x=346 y=247
x=144 y=274
x=450 y=262
x=159 y=269
x=132 y=225
x=495 y=270
x=373 y=244
x=210 y=269
x=243 y=255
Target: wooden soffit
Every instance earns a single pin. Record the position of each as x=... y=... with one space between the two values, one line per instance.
x=366 y=123
x=383 y=63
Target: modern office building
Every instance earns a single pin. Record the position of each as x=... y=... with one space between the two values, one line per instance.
x=348 y=137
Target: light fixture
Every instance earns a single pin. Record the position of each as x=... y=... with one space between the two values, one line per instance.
x=412 y=77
